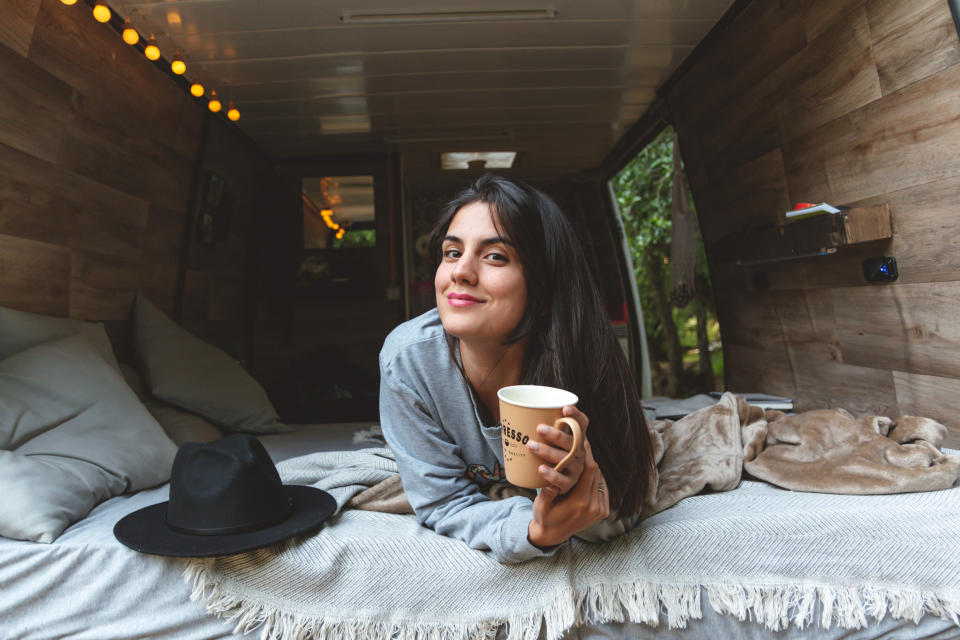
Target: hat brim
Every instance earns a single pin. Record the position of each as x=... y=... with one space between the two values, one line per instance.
x=147 y=531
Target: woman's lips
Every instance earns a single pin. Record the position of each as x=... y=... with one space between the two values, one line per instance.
x=462 y=300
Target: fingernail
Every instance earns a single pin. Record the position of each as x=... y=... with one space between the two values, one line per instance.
x=543 y=428
x=543 y=468
x=533 y=445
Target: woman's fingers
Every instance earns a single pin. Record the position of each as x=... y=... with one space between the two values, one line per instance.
x=561 y=482
x=571 y=411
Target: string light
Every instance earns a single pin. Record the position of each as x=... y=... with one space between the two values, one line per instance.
x=214 y=104
x=152 y=51
x=130 y=35
x=101 y=13
x=178 y=66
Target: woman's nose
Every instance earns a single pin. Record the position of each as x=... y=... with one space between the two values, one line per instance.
x=464 y=271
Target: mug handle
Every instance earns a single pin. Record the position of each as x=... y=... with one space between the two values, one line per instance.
x=577 y=440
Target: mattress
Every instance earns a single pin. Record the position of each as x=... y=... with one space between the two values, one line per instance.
x=87 y=586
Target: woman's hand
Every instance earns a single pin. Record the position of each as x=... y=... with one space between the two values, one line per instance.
x=555 y=448
x=557 y=517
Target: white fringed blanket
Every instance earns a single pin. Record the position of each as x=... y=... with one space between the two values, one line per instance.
x=758 y=551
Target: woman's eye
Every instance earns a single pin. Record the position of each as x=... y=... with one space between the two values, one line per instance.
x=498 y=257
x=451 y=253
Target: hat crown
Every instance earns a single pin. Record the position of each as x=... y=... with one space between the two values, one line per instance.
x=227 y=486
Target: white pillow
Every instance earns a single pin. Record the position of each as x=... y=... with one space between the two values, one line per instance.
x=72 y=434
x=21 y=330
x=185 y=371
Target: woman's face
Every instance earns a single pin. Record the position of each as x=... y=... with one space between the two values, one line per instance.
x=481 y=291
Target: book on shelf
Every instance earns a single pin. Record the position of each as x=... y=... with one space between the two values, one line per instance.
x=806 y=209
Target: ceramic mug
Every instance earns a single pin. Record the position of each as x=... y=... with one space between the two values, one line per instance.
x=522 y=408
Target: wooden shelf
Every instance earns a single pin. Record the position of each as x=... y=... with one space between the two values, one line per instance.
x=814 y=236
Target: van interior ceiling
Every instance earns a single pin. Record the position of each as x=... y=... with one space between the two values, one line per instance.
x=287 y=228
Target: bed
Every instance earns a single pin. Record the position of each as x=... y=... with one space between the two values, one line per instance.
x=84 y=584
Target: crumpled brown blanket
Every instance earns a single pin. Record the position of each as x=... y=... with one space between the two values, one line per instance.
x=823 y=451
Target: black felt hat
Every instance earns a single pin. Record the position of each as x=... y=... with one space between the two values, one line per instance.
x=225 y=497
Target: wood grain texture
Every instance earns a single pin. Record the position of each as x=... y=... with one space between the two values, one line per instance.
x=102 y=287
x=749 y=370
x=867 y=113
x=926 y=239
x=42 y=201
x=911 y=40
x=932 y=397
x=820 y=16
x=912 y=328
x=901 y=140
x=16 y=27
x=833 y=385
x=34 y=276
x=35 y=107
x=833 y=76
x=129 y=162
x=748 y=196
x=162 y=237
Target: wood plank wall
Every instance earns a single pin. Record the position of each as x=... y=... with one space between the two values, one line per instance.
x=852 y=102
x=97 y=149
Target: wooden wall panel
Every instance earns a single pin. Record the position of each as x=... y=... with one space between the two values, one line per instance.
x=16 y=28
x=866 y=111
x=98 y=149
x=35 y=107
x=833 y=76
x=102 y=287
x=933 y=397
x=913 y=328
x=902 y=140
x=34 y=276
x=911 y=40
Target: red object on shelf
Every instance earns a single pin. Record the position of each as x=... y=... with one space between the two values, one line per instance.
x=804 y=205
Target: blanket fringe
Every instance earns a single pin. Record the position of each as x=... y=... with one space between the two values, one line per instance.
x=775 y=607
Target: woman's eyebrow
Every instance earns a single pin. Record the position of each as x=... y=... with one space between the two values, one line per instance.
x=484 y=242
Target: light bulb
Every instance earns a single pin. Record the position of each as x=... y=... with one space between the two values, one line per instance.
x=196 y=89
x=130 y=35
x=178 y=66
x=233 y=113
x=214 y=104
x=152 y=51
x=69 y=3
x=101 y=13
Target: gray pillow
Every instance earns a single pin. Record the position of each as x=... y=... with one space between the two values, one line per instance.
x=187 y=372
x=21 y=330
x=181 y=426
x=72 y=434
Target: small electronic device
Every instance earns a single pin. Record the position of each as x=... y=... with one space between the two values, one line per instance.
x=880 y=269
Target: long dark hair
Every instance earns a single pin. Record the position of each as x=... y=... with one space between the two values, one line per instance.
x=571 y=344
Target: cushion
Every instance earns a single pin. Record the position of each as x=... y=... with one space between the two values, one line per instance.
x=20 y=330
x=72 y=434
x=181 y=426
x=187 y=372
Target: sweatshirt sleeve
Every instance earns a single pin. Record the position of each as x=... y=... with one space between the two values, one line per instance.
x=434 y=480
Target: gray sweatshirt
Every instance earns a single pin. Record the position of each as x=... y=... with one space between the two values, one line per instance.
x=429 y=417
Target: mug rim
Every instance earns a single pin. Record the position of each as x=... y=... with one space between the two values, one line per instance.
x=570 y=396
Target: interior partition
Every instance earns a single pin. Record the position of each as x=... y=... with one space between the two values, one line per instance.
x=851 y=102
x=104 y=162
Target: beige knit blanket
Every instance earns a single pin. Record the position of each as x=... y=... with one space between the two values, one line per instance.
x=758 y=552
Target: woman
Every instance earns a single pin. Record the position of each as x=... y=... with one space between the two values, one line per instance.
x=515 y=305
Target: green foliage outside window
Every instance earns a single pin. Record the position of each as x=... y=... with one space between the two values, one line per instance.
x=684 y=343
